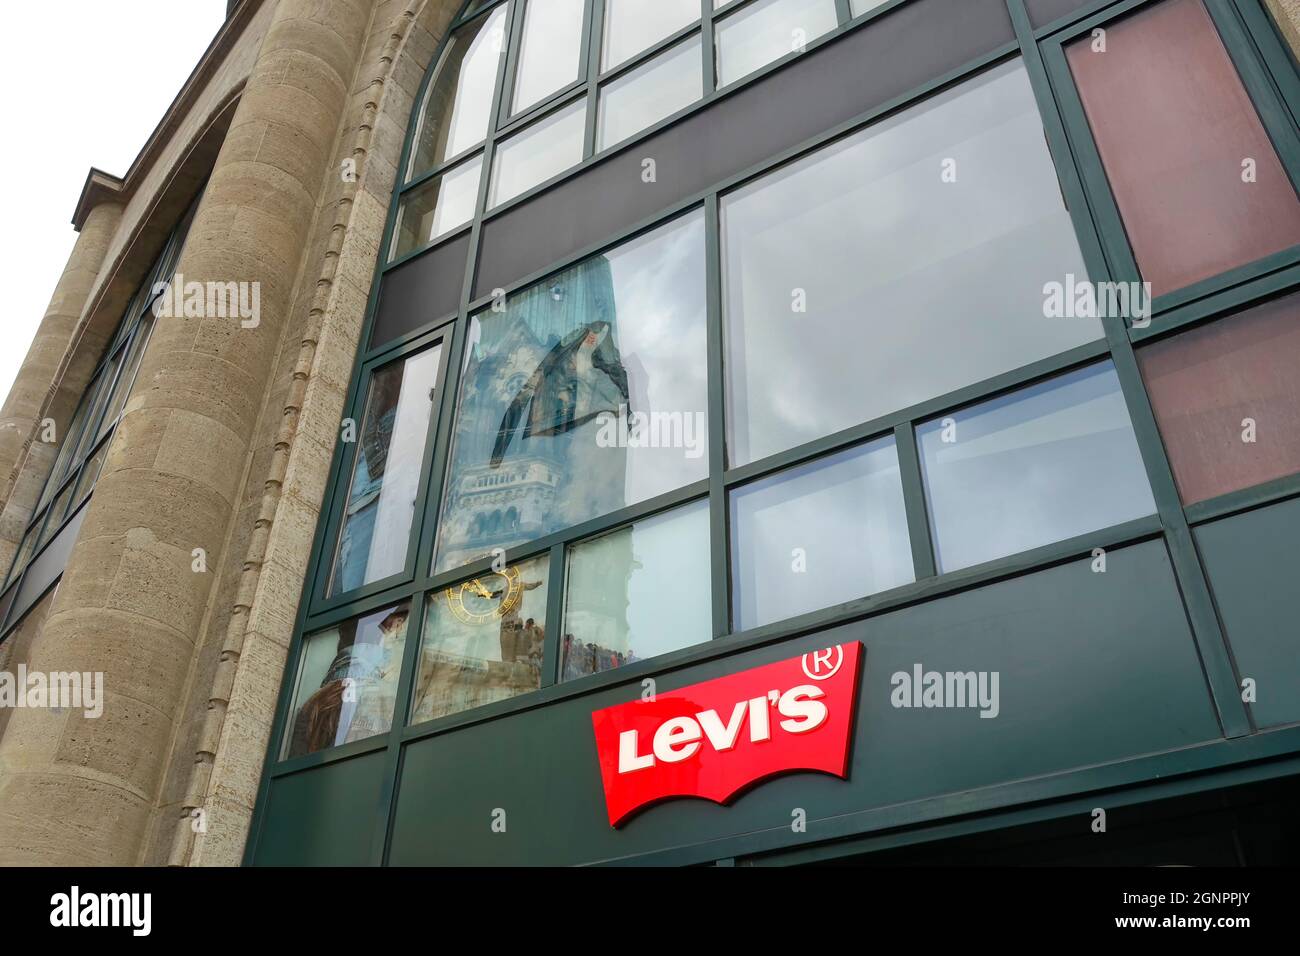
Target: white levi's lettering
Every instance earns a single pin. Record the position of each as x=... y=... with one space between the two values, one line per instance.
x=680 y=738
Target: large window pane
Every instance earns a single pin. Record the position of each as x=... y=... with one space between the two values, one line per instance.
x=634 y=25
x=484 y=640
x=1040 y=465
x=1175 y=127
x=821 y=534
x=549 y=50
x=637 y=592
x=767 y=30
x=122 y=390
x=347 y=681
x=535 y=154
x=437 y=207
x=459 y=102
x=650 y=92
x=386 y=476
x=1227 y=398
x=68 y=444
x=894 y=266
x=584 y=394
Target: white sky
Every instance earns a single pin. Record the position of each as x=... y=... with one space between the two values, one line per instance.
x=85 y=82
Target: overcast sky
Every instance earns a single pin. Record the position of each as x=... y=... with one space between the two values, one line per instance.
x=85 y=83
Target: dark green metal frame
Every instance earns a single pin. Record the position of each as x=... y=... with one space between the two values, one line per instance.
x=1269 y=74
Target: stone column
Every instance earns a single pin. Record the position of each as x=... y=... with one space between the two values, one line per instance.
x=21 y=412
x=75 y=790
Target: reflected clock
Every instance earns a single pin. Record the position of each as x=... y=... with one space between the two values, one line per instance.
x=485 y=599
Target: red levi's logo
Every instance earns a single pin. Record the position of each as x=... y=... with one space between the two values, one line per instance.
x=714 y=739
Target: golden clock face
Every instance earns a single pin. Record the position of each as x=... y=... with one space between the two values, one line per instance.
x=485 y=599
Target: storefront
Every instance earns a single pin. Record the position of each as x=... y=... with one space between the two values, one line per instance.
x=755 y=453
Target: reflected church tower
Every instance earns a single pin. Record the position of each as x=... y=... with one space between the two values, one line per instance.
x=535 y=383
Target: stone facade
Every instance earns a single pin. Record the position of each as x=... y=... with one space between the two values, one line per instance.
x=227 y=436
x=228 y=433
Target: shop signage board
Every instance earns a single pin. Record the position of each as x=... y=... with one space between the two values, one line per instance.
x=715 y=739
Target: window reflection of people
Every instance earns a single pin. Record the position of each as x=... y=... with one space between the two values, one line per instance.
x=457 y=669
x=356 y=697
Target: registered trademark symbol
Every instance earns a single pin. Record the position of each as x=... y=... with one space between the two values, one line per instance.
x=818 y=666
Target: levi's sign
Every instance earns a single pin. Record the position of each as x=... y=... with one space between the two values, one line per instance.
x=714 y=739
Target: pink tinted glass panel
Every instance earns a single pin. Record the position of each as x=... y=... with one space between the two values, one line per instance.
x=1206 y=382
x=1174 y=125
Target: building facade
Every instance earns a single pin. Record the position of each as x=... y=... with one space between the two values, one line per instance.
x=456 y=401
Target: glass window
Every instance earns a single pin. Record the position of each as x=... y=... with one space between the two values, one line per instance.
x=56 y=514
x=458 y=106
x=549 y=50
x=650 y=92
x=767 y=30
x=635 y=25
x=1227 y=398
x=122 y=390
x=896 y=265
x=67 y=445
x=105 y=386
x=24 y=552
x=637 y=592
x=437 y=207
x=347 y=681
x=535 y=154
x=583 y=394
x=89 y=475
x=483 y=641
x=1177 y=131
x=386 y=474
x=859 y=7
x=820 y=534
x=1039 y=465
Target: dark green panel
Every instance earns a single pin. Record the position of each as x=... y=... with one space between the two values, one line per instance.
x=324 y=816
x=1250 y=559
x=1093 y=668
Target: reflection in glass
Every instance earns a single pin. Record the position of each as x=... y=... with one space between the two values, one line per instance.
x=389 y=456
x=1042 y=464
x=436 y=207
x=635 y=25
x=483 y=641
x=459 y=102
x=650 y=92
x=535 y=154
x=637 y=592
x=89 y=475
x=767 y=30
x=548 y=51
x=68 y=444
x=858 y=281
x=24 y=552
x=56 y=514
x=122 y=390
x=583 y=394
x=819 y=534
x=347 y=682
